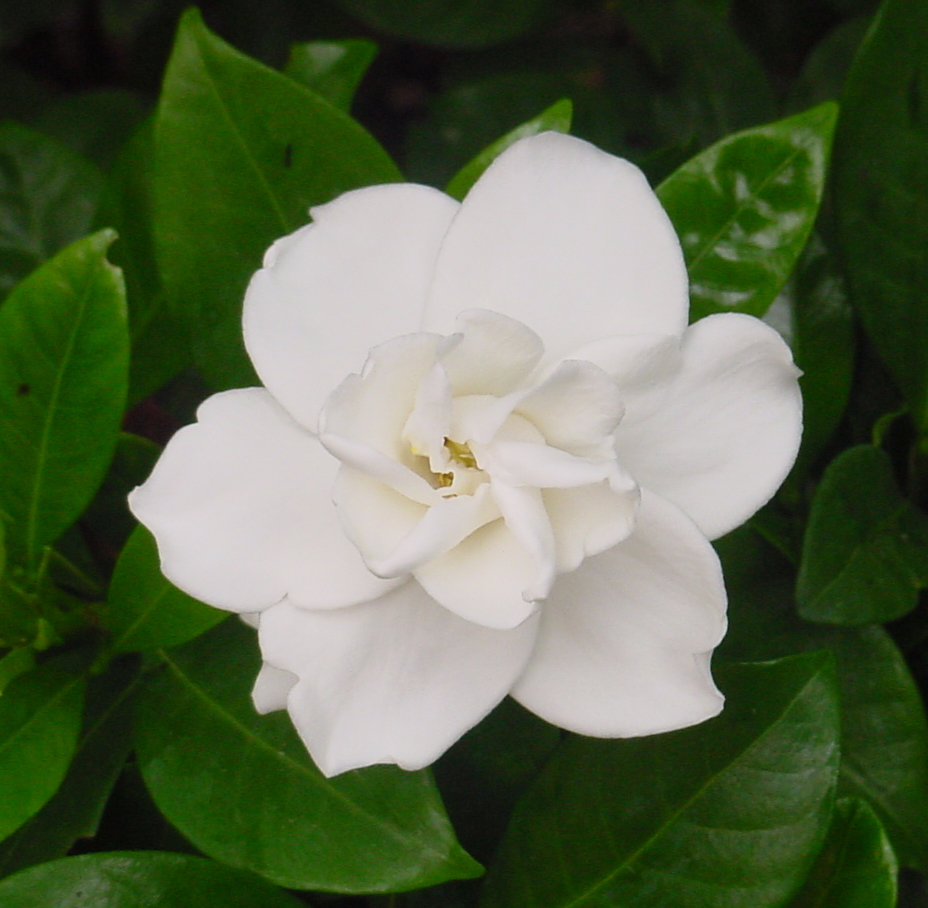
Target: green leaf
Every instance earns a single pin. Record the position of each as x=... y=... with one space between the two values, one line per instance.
x=76 y=808
x=332 y=69
x=729 y=813
x=856 y=867
x=456 y=23
x=884 y=738
x=823 y=345
x=15 y=662
x=881 y=193
x=64 y=352
x=241 y=152
x=40 y=717
x=143 y=879
x=244 y=790
x=744 y=208
x=144 y=611
x=159 y=344
x=865 y=551
x=557 y=117
x=48 y=196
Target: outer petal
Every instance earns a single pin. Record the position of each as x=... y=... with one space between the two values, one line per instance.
x=240 y=503
x=719 y=436
x=272 y=687
x=393 y=681
x=567 y=239
x=622 y=648
x=356 y=276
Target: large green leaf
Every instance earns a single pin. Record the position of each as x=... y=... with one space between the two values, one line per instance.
x=64 y=352
x=241 y=153
x=332 y=69
x=881 y=192
x=76 y=808
x=144 y=611
x=159 y=345
x=40 y=717
x=143 y=879
x=884 y=738
x=244 y=790
x=856 y=867
x=729 y=813
x=48 y=196
x=823 y=345
x=744 y=208
x=865 y=552
x=556 y=117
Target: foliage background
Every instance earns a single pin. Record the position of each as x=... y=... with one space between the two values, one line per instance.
x=127 y=739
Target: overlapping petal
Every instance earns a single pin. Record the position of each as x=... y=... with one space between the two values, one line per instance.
x=718 y=436
x=240 y=503
x=568 y=239
x=393 y=681
x=623 y=642
x=357 y=275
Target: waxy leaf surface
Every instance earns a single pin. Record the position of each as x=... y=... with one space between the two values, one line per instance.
x=856 y=867
x=729 y=813
x=40 y=717
x=241 y=153
x=332 y=69
x=64 y=355
x=127 y=879
x=244 y=790
x=881 y=193
x=865 y=552
x=743 y=209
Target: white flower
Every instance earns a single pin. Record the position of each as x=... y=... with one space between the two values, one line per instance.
x=483 y=510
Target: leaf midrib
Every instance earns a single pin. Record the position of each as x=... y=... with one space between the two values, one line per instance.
x=686 y=804
x=301 y=769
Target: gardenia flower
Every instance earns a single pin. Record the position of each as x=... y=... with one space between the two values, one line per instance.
x=514 y=495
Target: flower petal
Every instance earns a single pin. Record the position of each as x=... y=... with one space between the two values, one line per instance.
x=272 y=687
x=495 y=353
x=577 y=408
x=240 y=504
x=393 y=681
x=482 y=579
x=328 y=292
x=719 y=437
x=567 y=239
x=623 y=640
x=588 y=520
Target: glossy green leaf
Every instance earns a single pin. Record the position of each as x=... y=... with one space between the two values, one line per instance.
x=15 y=662
x=729 y=813
x=744 y=207
x=856 y=867
x=64 y=352
x=457 y=23
x=881 y=192
x=557 y=117
x=143 y=879
x=884 y=738
x=48 y=196
x=332 y=69
x=241 y=153
x=159 y=343
x=144 y=611
x=40 y=717
x=244 y=790
x=75 y=810
x=823 y=345
x=865 y=552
